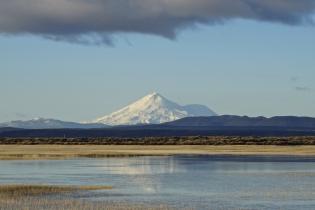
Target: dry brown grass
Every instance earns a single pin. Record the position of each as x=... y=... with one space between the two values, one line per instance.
x=8 y=152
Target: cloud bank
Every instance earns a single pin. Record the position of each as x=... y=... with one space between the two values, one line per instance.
x=96 y=20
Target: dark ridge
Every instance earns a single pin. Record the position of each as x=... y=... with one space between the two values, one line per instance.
x=159 y=131
x=244 y=121
x=4 y=129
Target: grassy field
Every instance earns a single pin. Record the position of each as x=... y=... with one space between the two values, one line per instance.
x=38 y=197
x=8 y=152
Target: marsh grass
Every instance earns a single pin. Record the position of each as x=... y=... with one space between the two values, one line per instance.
x=34 y=203
x=48 y=197
x=13 y=191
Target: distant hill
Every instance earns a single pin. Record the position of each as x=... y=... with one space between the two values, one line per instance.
x=42 y=123
x=244 y=121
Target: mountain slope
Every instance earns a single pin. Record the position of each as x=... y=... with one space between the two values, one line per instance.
x=153 y=109
x=41 y=123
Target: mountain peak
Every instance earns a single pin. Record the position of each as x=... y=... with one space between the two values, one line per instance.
x=153 y=109
x=153 y=95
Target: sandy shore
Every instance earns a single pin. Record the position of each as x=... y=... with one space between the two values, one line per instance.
x=8 y=152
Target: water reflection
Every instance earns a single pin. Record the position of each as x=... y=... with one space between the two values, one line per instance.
x=142 y=166
x=141 y=172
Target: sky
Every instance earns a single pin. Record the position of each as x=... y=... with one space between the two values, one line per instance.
x=257 y=63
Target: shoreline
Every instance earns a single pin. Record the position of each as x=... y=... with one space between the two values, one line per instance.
x=37 y=152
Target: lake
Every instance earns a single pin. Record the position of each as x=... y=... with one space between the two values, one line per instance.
x=198 y=182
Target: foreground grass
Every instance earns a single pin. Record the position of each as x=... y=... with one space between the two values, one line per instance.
x=9 y=152
x=37 y=197
x=16 y=191
x=31 y=203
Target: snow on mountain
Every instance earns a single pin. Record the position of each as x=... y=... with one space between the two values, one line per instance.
x=153 y=109
x=42 y=123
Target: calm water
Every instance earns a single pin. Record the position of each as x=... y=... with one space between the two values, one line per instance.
x=200 y=182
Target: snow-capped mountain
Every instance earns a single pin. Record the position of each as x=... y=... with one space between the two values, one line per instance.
x=42 y=123
x=153 y=109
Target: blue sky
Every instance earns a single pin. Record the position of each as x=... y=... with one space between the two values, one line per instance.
x=241 y=67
